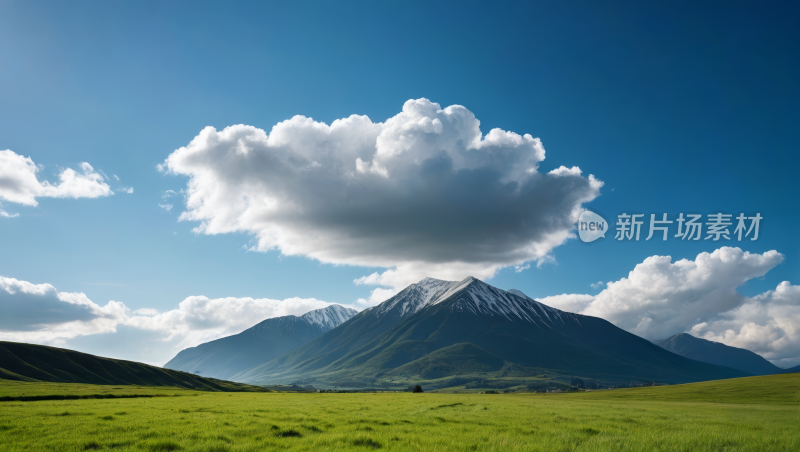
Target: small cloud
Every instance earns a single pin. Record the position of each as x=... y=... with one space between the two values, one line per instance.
x=5 y=214
x=522 y=268
x=116 y=178
x=128 y=190
x=166 y=207
x=20 y=184
x=168 y=194
x=597 y=285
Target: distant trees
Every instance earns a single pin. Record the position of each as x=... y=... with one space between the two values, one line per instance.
x=417 y=388
x=577 y=382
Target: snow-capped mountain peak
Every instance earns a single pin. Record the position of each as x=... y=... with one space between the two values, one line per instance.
x=416 y=296
x=329 y=317
x=483 y=299
x=486 y=299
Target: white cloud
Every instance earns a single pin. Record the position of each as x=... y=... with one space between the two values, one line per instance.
x=597 y=285
x=128 y=190
x=166 y=207
x=660 y=298
x=5 y=214
x=573 y=302
x=376 y=296
x=521 y=268
x=768 y=324
x=199 y=319
x=422 y=194
x=116 y=178
x=19 y=183
x=37 y=313
x=168 y=194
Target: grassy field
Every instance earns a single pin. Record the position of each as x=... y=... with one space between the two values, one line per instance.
x=23 y=389
x=749 y=414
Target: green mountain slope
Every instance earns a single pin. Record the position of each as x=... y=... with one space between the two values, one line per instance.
x=458 y=359
x=484 y=321
x=720 y=354
x=225 y=357
x=28 y=362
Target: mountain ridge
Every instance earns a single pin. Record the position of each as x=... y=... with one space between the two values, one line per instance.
x=434 y=314
x=224 y=357
x=706 y=351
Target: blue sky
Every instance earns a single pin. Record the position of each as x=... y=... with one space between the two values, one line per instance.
x=676 y=107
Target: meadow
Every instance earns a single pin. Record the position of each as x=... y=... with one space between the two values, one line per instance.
x=746 y=414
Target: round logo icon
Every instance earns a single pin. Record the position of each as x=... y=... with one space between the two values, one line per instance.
x=591 y=226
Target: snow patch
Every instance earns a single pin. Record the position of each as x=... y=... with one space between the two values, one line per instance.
x=330 y=317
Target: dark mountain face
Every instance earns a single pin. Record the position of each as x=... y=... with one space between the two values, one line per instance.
x=720 y=354
x=445 y=327
x=225 y=357
x=28 y=362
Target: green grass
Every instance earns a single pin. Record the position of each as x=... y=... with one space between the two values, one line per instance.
x=749 y=414
x=772 y=390
x=23 y=389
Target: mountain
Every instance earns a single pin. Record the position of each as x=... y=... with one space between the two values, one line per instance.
x=720 y=354
x=518 y=293
x=445 y=328
x=225 y=357
x=792 y=370
x=28 y=362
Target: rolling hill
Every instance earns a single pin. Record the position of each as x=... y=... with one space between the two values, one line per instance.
x=225 y=357
x=445 y=328
x=792 y=370
x=32 y=363
x=720 y=354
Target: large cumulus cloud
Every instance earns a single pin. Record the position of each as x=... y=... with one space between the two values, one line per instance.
x=660 y=298
x=38 y=313
x=20 y=184
x=423 y=194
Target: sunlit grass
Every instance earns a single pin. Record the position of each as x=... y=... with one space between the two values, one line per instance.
x=610 y=420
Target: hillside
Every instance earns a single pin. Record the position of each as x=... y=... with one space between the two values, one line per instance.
x=39 y=363
x=782 y=389
x=444 y=327
x=792 y=370
x=720 y=354
x=225 y=357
